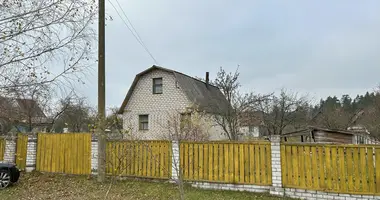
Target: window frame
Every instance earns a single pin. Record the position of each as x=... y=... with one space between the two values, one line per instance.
x=157 y=85
x=142 y=122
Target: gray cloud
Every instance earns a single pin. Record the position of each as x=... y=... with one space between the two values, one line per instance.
x=320 y=48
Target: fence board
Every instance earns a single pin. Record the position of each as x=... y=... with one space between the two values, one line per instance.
x=64 y=153
x=353 y=169
x=150 y=159
x=230 y=162
x=2 y=148
x=21 y=148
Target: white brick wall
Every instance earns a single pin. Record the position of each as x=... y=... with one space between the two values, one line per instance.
x=94 y=156
x=318 y=195
x=233 y=187
x=31 y=153
x=276 y=166
x=158 y=106
x=10 y=150
x=175 y=160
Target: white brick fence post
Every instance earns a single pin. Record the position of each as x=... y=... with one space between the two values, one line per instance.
x=276 y=166
x=31 y=153
x=94 y=155
x=10 y=149
x=175 y=161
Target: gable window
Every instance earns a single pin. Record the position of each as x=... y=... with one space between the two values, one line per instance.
x=157 y=86
x=143 y=122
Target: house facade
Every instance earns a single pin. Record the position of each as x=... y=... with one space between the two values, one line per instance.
x=160 y=98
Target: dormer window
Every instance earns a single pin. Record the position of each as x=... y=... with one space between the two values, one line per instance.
x=157 y=86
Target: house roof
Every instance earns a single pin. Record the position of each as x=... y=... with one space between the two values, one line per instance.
x=23 y=107
x=29 y=105
x=206 y=96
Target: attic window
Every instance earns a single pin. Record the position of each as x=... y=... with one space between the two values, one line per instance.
x=157 y=86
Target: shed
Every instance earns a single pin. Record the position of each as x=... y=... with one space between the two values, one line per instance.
x=325 y=135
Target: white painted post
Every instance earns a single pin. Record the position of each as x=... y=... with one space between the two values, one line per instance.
x=94 y=156
x=276 y=166
x=175 y=161
x=31 y=153
x=10 y=149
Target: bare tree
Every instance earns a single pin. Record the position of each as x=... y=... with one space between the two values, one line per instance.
x=283 y=113
x=192 y=125
x=44 y=41
x=229 y=118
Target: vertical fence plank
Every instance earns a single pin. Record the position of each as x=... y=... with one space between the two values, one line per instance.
x=363 y=169
x=356 y=169
x=334 y=175
x=301 y=165
x=314 y=167
x=257 y=163
x=308 y=167
x=328 y=167
x=210 y=162
x=216 y=162
x=241 y=163
x=350 y=169
x=221 y=169
x=262 y=164
x=371 y=171
x=284 y=167
x=269 y=162
x=342 y=170
x=295 y=161
x=226 y=163
x=377 y=158
x=236 y=163
x=252 y=163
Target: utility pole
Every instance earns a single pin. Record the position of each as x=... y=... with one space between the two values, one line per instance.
x=101 y=94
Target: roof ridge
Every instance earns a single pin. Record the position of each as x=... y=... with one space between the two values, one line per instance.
x=174 y=71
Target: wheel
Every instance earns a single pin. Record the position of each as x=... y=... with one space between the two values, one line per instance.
x=5 y=178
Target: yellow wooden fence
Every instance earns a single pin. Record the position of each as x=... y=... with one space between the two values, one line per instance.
x=21 y=149
x=2 y=148
x=150 y=159
x=68 y=153
x=227 y=162
x=353 y=169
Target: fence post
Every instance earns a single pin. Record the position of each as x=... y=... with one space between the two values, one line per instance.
x=10 y=149
x=175 y=161
x=276 y=166
x=94 y=155
x=31 y=153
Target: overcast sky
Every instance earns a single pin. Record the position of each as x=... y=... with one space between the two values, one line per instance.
x=320 y=48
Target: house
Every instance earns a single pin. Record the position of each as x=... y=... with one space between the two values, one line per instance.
x=157 y=94
x=252 y=125
x=21 y=115
x=325 y=135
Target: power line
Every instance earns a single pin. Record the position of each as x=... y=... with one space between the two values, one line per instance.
x=132 y=30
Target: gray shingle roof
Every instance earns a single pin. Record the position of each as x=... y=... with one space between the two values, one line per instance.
x=206 y=96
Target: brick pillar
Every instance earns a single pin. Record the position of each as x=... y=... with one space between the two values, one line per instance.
x=175 y=161
x=276 y=166
x=31 y=153
x=10 y=149
x=94 y=156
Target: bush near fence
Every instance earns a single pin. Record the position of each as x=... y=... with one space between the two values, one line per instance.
x=351 y=169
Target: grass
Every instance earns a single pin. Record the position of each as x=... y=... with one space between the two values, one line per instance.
x=65 y=187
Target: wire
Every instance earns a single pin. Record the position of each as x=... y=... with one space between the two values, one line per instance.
x=132 y=30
